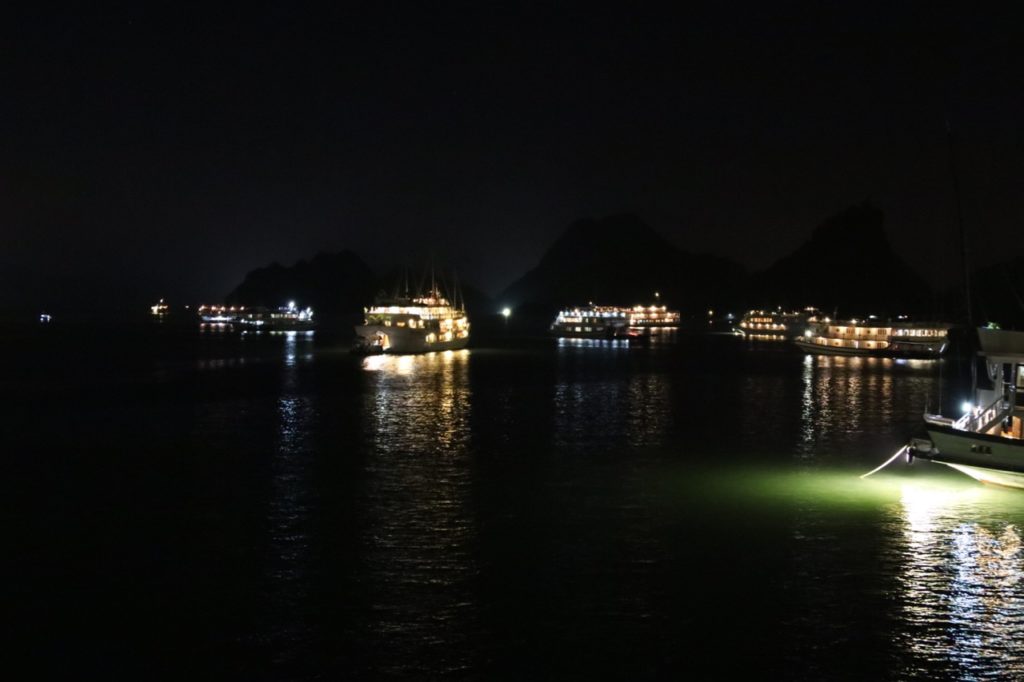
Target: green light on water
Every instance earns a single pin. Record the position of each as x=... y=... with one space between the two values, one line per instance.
x=767 y=488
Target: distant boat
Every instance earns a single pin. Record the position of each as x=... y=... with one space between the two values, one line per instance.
x=867 y=337
x=651 y=317
x=45 y=318
x=592 y=322
x=986 y=442
x=255 y=318
x=775 y=325
x=413 y=324
x=160 y=309
x=612 y=322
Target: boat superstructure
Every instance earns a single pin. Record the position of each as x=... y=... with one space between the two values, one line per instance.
x=872 y=337
x=986 y=441
x=651 y=317
x=417 y=324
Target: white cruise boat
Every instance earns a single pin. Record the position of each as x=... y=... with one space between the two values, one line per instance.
x=593 y=322
x=986 y=442
x=418 y=324
x=652 y=317
x=612 y=322
x=775 y=325
x=866 y=337
x=255 y=318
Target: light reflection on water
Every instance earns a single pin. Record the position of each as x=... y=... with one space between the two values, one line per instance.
x=840 y=392
x=845 y=397
x=604 y=344
x=291 y=499
x=594 y=410
x=647 y=409
x=596 y=503
x=949 y=564
x=960 y=585
x=420 y=533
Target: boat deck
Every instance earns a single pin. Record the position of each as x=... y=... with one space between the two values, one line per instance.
x=1016 y=430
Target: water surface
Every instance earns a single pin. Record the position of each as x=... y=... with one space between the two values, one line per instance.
x=272 y=507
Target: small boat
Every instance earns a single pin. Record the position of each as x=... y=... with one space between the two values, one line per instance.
x=160 y=309
x=986 y=441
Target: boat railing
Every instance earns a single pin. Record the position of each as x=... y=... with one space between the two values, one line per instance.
x=980 y=420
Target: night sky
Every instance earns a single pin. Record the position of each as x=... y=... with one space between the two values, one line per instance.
x=165 y=152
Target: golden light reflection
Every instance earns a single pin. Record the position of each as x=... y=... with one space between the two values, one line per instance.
x=844 y=394
x=395 y=364
x=635 y=408
x=420 y=399
x=418 y=531
x=961 y=593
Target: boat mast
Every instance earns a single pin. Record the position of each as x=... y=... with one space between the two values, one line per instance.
x=960 y=225
x=455 y=290
x=963 y=252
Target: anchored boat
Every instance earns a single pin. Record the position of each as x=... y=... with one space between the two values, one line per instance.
x=255 y=318
x=775 y=325
x=612 y=322
x=593 y=322
x=986 y=442
x=417 y=324
x=867 y=337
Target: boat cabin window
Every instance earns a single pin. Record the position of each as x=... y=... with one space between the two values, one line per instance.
x=1020 y=376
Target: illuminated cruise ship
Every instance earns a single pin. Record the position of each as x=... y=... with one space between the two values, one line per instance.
x=593 y=322
x=868 y=337
x=775 y=325
x=652 y=316
x=612 y=322
x=416 y=324
x=255 y=318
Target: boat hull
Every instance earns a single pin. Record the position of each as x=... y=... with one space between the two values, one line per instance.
x=894 y=352
x=984 y=457
x=402 y=341
x=838 y=350
x=563 y=334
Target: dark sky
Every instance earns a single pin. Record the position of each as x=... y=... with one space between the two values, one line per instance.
x=167 y=151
